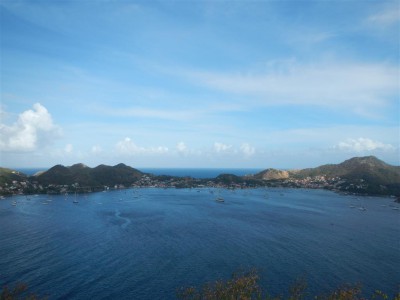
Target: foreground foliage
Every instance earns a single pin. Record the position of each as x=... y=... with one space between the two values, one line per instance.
x=245 y=286
x=19 y=292
x=242 y=286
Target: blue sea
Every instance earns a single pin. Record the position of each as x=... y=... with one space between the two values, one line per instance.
x=146 y=243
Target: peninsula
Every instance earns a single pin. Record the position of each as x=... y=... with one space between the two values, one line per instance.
x=360 y=175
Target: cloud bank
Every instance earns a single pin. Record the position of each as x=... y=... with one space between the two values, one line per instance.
x=33 y=129
x=221 y=147
x=128 y=147
x=363 y=145
x=247 y=150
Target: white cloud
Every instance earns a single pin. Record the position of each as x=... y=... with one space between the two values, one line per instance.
x=128 y=147
x=247 y=150
x=3 y=113
x=68 y=148
x=389 y=16
x=339 y=85
x=363 y=145
x=33 y=129
x=221 y=148
x=178 y=114
x=96 y=149
x=182 y=148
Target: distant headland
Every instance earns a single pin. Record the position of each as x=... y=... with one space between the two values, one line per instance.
x=360 y=175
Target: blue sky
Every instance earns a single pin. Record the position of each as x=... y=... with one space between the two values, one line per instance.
x=285 y=84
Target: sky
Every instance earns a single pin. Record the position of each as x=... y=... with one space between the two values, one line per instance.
x=213 y=84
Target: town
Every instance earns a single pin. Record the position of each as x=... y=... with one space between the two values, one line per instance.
x=227 y=181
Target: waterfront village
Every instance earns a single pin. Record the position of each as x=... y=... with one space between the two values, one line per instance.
x=31 y=186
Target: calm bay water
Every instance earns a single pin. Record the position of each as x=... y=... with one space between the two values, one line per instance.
x=146 y=243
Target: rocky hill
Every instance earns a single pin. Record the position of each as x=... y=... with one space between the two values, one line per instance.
x=272 y=174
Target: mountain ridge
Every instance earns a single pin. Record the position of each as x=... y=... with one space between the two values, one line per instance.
x=87 y=176
x=364 y=175
x=366 y=168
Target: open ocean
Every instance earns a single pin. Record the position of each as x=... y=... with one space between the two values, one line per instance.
x=146 y=243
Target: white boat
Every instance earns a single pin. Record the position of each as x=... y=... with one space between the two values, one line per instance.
x=220 y=199
x=76 y=199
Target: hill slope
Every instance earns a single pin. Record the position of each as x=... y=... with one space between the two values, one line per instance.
x=86 y=176
x=376 y=176
x=363 y=175
x=8 y=176
x=368 y=168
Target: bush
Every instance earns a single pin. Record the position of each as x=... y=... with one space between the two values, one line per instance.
x=19 y=292
x=244 y=286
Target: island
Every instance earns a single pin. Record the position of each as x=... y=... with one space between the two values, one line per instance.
x=359 y=175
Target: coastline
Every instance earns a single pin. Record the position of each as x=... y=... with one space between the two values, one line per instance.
x=359 y=175
x=183 y=183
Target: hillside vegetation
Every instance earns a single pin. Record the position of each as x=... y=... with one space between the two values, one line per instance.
x=101 y=175
x=245 y=286
x=368 y=168
x=362 y=175
x=7 y=176
x=377 y=176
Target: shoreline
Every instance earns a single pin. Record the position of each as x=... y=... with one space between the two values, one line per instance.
x=396 y=199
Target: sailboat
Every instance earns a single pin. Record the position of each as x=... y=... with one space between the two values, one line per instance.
x=76 y=199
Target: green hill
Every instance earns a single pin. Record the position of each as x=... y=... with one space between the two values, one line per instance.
x=362 y=175
x=377 y=176
x=86 y=176
x=7 y=176
x=368 y=168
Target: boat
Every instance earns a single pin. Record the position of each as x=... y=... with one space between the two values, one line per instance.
x=76 y=199
x=220 y=199
x=14 y=203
